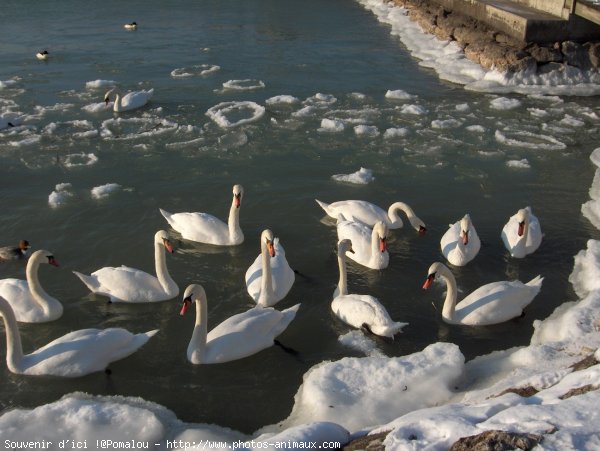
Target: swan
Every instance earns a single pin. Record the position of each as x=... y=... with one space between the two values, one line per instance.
x=369 y=244
x=360 y=310
x=130 y=26
x=75 y=354
x=15 y=252
x=460 y=244
x=31 y=304
x=493 y=303
x=205 y=228
x=130 y=101
x=369 y=214
x=522 y=234
x=238 y=336
x=278 y=276
x=43 y=55
x=125 y=284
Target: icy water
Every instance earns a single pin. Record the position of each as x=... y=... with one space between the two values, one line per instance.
x=443 y=150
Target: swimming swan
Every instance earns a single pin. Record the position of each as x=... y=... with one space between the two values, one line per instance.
x=369 y=214
x=493 y=303
x=460 y=244
x=75 y=354
x=130 y=26
x=238 y=336
x=30 y=302
x=129 y=101
x=369 y=245
x=522 y=234
x=205 y=228
x=269 y=278
x=360 y=310
x=15 y=252
x=125 y=284
x=43 y=55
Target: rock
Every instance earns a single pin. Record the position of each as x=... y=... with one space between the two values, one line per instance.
x=594 y=54
x=576 y=55
x=544 y=54
x=497 y=441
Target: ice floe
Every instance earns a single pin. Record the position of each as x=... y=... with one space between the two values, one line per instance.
x=243 y=85
x=198 y=70
x=519 y=164
x=233 y=114
x=61 y=194
x=361 y=177
x=103 y=191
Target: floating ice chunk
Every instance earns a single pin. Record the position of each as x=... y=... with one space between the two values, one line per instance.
x=220 y=112
x=135 y=127
x=60 y=195
x=462 y=107
x=417 y=110
x=102 y=191
x=392 y=133
x=357 y=96
x=243 y=85
x=529 y=140
x=195 y=71
x=7 y=83
x=475 y=128
x=537 y=112
x=503 y=103
x=75 y=129
x=356 y=339
x=366 y=130
x=282 y=99
x=320 y=98
x=520 y=164
x=571 y=121
x=318 y=434
x=306 y=111
x=28 y=141
x=446 y=123
x=361 y=177
x=80 y=159
x=591 y=209
x=398 y=94
x=595 y=157
x=42 y=110
x=98 y=107
x=96 y=84
x=331 y=125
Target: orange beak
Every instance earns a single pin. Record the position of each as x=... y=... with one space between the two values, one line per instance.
x=186 y=305
x=428 y=281
x=521 y=229
x=382 y=245
x=168 y=246
x=271 y=249
x=465 y=237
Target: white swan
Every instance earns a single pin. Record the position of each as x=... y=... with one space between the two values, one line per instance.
x=460 y=244
x=15 y=252
x=31 y=304
x=269 y=278
x=522 y=234
x=43 y=55
x=125 y=284
x=493 y=303
x=129 y=101
x=369 y=214
x=369 y=244
x=205 y=228
x=130 y=26
x=75 y=354
x=238 y=336
x=360 y=310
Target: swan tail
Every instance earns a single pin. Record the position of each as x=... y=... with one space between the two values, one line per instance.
x=288 y=315
x=167 y=215
x=387 y=330
x=325 y=207
x=89 y=281
x=536 y=282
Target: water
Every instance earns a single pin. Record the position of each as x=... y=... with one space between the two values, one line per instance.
x=171 y=155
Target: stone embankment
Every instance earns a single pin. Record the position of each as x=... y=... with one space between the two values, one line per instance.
x=493 y=49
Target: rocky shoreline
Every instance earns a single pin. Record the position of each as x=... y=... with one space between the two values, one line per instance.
x=495 y=50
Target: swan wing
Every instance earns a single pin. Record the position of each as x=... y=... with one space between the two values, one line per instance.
x=136 y=99
x=125 y=284
x=358 y=310
x=360 y=210
x=282 y=275
x=26 y=308
x=200 y=227
x=534 y=236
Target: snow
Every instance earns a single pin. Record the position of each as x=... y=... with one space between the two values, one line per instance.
x=60 y=195
x=398 y=94
x=103 y=191
x=219 y=113
x=361 y=177
x=518 y=164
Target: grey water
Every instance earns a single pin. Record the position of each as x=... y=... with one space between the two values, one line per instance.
x=171 y=155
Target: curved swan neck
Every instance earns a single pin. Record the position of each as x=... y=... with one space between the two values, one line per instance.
x=117 y=104
x=14 y=348
x=162 y=273
x=451 y=293
x=37 y=292
x=343 y=282
x=266 y=282
x=414 y=220
x=197 y=347
x=233 y=222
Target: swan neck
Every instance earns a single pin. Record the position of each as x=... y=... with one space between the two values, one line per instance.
x=197 y=347
x=233 y=222
x=14 y=348
x=415 y=222
x=117 y=105
x=451 y=293
x=162 y=273
x=266 y=282
x=343 y=282
x=38 y=294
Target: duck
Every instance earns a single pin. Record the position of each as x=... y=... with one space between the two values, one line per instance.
x=460 y=244
x=269 y=278
x=522 y=234
x=17 y=252
x=130 y=26
x=369 y=214
x=205 y=228
x=492 y=303
x=360 y=310
x=130 y=101
x=239 y=336
x=43 y=55
x=28 y=300
x=125 y=284
x=370 y=248
x=75 y=354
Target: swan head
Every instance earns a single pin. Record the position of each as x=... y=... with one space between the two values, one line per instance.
x=267 y=239
x=162 y=237
x=381 y=231
x=42 y=55
x=434 y=270
x=192 y=293
x=107 y=96
x=43 y=256
x=465 y=226
x=522 y=217
x=238 y=193
x=344 y=246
